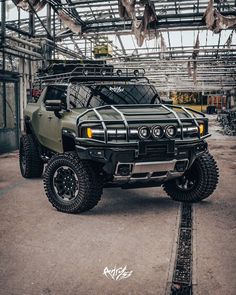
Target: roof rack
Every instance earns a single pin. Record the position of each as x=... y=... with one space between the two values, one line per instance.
x=64 y=66
x=91 y=73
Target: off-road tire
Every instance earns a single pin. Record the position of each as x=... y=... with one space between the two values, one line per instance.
x=206 y=174
x=31 y=165
x=90 y=184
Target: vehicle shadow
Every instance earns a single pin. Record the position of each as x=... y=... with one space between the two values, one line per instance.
x=122 y=202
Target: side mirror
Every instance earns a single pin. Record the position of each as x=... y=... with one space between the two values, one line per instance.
x=54 y=105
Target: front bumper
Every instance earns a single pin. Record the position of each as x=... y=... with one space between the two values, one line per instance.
x=150 y=171
x=144 y=155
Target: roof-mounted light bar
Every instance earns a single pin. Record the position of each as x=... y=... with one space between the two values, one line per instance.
x=107 y=71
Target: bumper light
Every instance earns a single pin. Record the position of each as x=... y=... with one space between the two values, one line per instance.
x=181 y=166
x=124 y=170
x=97 y=154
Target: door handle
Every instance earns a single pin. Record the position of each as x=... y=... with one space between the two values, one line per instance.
x=40 y=114
x=49 y=117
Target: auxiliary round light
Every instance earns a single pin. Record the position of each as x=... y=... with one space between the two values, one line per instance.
x=170 y=131
x=144 y=132
x=119 y=72
x=136 y=73
x=157 y=131
x=85 y=72
x=103 y=72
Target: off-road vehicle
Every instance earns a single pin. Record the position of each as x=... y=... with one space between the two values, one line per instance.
x=97 y=127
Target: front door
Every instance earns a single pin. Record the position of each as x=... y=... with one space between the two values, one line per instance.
x=49 y=125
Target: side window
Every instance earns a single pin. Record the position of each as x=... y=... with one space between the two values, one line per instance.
x=76 y=96
x=93 y=96
x=56 y=92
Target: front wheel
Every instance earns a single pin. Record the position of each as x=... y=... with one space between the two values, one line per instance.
x=198 y=183
x=71 y=185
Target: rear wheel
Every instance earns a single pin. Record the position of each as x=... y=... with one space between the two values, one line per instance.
x=72 y=185
x=198 y=183
x=31 y=165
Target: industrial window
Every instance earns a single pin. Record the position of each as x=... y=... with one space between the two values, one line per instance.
x=1 y=106
x=8 y=107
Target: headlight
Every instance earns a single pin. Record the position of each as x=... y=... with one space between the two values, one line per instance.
x=202 y=129
x=144 y=132
x=170 y=131
x=89 y=133
x=157 y=131
x=113 y=133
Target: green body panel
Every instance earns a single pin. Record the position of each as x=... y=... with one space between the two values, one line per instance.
x=47 y=127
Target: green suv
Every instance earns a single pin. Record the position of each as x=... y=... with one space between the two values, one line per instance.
x=107 y=128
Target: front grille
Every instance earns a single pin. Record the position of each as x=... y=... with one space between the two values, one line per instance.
x=123 y=126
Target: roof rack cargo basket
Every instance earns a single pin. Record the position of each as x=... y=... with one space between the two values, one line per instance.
x=60 y=67
x=90 y=73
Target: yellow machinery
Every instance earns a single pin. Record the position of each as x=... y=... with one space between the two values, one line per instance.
x=102 y=50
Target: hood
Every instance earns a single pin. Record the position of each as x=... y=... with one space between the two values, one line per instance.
x=136 y=113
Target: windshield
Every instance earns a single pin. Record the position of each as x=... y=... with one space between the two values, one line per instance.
x=90 y=96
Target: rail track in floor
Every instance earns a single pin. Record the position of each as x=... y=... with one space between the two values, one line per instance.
x=182 y=273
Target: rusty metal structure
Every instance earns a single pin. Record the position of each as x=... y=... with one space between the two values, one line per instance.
x=72 y=29
x=182 y=45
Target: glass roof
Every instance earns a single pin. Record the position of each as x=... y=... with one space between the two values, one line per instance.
x=179 y=25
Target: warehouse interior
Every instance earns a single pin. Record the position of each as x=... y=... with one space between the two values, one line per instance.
x=178 y=52
x=187 y=50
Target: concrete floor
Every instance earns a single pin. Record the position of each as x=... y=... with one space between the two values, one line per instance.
x=44 y=252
